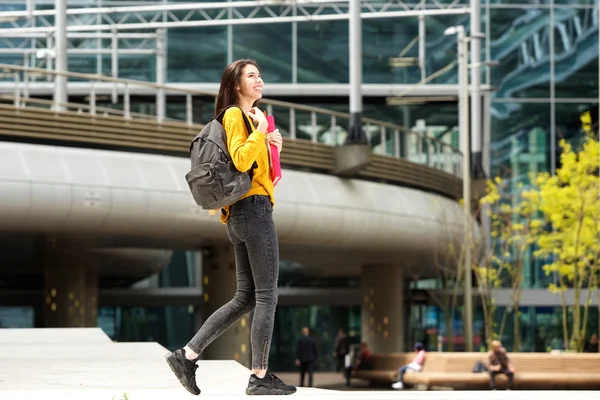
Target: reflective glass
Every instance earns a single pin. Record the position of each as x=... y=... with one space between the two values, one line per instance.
x=520 y=139
x=17 y=317
x=576 y=54
x=269 y=45
x=171 y=326
x=323 y=52
x=323 y=321
x=196 y=54
x=519 y=41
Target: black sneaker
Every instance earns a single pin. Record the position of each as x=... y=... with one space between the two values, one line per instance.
x=269 y=385
x=184 y=370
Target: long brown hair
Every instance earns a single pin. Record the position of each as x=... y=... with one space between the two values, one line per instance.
x=228 y=94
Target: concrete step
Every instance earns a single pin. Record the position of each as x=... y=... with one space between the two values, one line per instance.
x=53 y=336
x=43 y=365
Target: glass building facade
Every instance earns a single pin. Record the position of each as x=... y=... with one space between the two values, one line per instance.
x=545 y=82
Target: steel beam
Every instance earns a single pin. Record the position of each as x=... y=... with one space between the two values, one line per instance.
x=60 y=54
x=355 y=130
x=275 y=89
x=250 y=20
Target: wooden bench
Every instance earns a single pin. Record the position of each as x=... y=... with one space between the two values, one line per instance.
x=533 y=370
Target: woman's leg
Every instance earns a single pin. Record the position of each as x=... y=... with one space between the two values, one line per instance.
x=182 y=361
x=401 y=373
x=259 y=236
x=242 y=302
x=263 y=253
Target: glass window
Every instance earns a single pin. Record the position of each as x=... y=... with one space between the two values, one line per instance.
x=574 y=3
x=323 y=52
x=517 y=2
x=171 y=326
x=17 y=317
x=520 y=139
x=323 y=321
x=270 y=45
x=548 y=328
x=196 y=54
x=576 y=54
x=440 y=50
x=573 y=121
x=180 y=272
x=519 y=41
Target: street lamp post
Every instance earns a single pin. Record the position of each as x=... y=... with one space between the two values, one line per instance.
x=463 y=128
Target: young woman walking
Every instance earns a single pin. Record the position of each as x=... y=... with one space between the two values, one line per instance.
x=251 y=230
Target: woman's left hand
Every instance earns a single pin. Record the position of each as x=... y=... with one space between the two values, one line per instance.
x=275 y=139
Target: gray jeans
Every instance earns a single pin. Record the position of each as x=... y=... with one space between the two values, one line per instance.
x=251 y=230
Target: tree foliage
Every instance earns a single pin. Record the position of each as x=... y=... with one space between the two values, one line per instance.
x=512 y=217
x=556 y=219
x=568 y=236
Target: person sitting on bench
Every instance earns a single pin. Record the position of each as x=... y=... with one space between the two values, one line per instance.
x=416 y=365
x=500 y=364
x=358 y=360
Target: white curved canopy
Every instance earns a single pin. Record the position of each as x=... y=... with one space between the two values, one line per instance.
x=145 y=197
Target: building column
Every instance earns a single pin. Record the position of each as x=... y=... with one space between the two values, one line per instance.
x=382 y=307
x=219 y=284
x=71 y=284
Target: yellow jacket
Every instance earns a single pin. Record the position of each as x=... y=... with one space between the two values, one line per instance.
x=244 y=150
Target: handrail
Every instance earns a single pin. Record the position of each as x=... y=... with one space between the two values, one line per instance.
x=170 y=88
x=99 y=110
x=421 y=149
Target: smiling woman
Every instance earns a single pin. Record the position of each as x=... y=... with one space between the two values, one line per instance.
x=251 y=230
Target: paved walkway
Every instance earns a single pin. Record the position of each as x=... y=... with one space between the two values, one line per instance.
x=328 y=380
x=83 y=364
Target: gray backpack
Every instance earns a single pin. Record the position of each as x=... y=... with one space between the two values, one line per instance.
x=213 y=180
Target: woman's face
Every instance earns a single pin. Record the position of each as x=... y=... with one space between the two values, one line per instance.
x=251 y=83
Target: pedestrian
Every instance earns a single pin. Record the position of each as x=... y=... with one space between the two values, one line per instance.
x=252 y=232
x=341 y=348
x=306 y=356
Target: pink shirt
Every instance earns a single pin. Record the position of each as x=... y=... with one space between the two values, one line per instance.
x=420 y=358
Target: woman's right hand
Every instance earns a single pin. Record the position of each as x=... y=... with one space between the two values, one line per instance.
x=259 y=118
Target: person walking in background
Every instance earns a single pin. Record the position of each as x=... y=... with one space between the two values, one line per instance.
x=499 y=364
x=340 y=349
x=416 y=365
x=306 y=356
x=251 y=230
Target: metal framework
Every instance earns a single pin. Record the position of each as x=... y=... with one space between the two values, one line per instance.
x=218 y=14
x=68 y=27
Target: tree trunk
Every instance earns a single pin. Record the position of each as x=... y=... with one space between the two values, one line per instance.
x=503 y=322
x=449 y=332
x=490 y=331
x=563 y=303
x=576 y=329
x=586 y=312
x=598 y=308
x=517 y=330
x=564 y=320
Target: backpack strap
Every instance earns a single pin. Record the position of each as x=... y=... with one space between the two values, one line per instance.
x=219 y=117
x=221 y=114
